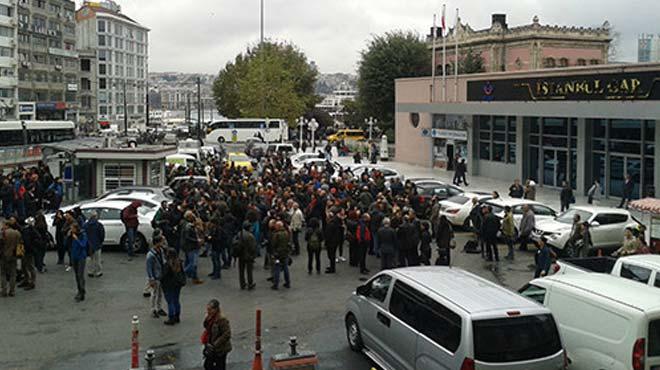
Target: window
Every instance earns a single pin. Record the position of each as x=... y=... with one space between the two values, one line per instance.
x=69 y=30
x=430 y=318
x=6 y=93
x=119 y=43
x=515 y=338
x=101 y=40
x=155 y=170
x=70 y=96
x=497 y=138
x=6 y=10
x=53 y=8
x=118 y=29
x=110 y=214
x=119 y=57
x=102 y=83
x=101 y=26
x=657 y=280
x=563 y=62
x=23 y=38
x=542 y=210
x=102 y=69
x=377 y=288
x=581 y=62
x=533 y=292
x=549 y=63
x=118 y=175
x=85 y=65
x=594 y=62
x=6 y=52
x=611 y=218
x=40 y=4
x=636 y=273
x=6 y=31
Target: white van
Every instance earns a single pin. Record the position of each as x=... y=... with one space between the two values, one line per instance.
x=606 y=322
x=447 y=318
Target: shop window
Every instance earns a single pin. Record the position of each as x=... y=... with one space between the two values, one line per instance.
x=499 y=150
x=511 y=153
x=625 y=129
x=484 y=123
x=555 y=126
x=649 y=130
x=118 y=175
x=484 y=151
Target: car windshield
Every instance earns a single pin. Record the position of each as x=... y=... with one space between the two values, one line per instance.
x=567 y=217
x=515 y=339
x=496 y=208
x=458 y=199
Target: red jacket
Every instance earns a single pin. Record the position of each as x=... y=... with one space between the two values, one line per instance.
x=129 y=215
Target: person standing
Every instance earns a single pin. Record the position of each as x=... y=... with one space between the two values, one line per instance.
x=154 y=263
x=387 y=245
x=594 y=192
x=216 y=338
x=41 y=227
x=333 y=236
x=95 y=236
x=30 y=242
x=59 y=222
x=297 y=220
x=190 y=245
x=516 y=190
x=172 y=281
x=129 y=217
x=565 y=196
x=542 y=258
x=530 y=190
x=628 y=187
x=491 y=227
x=363 y=237
x=445 y=241
x=457 y=176
x=425 y=245
x=461 y=170
x=314 y=239
x=509 y=231
x=11 y=237
x=527 y=225
x=280 y=245
x=78 y=258
x=246 y=253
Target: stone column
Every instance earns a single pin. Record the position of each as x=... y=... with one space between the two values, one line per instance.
x=472 y=131
x=656 y=158
x=522 y=157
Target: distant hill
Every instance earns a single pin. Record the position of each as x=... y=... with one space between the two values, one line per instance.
x=329 y=82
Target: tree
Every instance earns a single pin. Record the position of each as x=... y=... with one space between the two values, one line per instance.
x=387 y=57
x=271 y=80
x=471 y=63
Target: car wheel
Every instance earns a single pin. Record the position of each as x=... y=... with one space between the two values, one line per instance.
x=353 y=333
x=221 y=140
x=140 y=245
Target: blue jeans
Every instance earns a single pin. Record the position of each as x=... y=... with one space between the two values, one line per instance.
x=281 y=266
x=172 y=297
x=190 y=267
x=130 y=240
x=217 y=264
x=7 y=209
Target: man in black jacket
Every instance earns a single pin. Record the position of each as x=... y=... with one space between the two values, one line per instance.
x=628 y=188
x=386 y=245
x=490 y=227
x=333 y=236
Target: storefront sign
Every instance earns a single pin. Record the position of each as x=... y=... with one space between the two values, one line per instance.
x=72 y=87
x=609 y=86
x=46 y=106
x=26 y=108
x=448 y=134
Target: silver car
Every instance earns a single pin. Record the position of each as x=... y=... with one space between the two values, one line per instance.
x=447 y=318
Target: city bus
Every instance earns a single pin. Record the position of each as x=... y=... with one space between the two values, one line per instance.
x=230 y=130
x=22 y=133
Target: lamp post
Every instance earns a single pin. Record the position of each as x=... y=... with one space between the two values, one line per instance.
x=199 y=108
x=371 y=122
x=313 y=125
x=301 y=129
x=125 y=111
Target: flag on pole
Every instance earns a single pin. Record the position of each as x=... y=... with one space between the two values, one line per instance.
x=433 y=64
x=444 y=56
x=456 y=57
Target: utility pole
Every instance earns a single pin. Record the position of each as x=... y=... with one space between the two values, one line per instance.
x=188 y=112
x=147 y=106
x=125 y=111
x=262 y=23
x=199 y=108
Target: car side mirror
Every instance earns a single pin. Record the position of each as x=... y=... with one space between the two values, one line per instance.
x=595 y=223
x=361 y=290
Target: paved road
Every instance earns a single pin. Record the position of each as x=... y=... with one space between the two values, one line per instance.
x=45 y=329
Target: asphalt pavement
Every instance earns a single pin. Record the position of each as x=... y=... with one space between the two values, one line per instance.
x=45 y=329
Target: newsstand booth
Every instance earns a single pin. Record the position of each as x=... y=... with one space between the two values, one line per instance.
x=650 y=208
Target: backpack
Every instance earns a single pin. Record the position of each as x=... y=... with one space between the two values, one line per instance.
x=471 y=247
x=237 y=245
x=314 y=242
x=123 y=215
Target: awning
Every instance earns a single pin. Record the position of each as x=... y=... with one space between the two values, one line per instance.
x=651 y=205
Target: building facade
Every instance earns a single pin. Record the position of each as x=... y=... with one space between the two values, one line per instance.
x=527 y=47
x=47 y=60
x=8 y=71
x=88 y=90
x=122 y=58
x=648 y=48
x=576 y=125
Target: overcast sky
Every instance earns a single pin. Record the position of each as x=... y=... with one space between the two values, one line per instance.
x=202 y=35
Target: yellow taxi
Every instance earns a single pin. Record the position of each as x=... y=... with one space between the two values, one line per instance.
x=239 y=159
x=347 y=135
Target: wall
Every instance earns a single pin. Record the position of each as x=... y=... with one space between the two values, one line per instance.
x=572 y=54
x=496 y=170
x=411 y=146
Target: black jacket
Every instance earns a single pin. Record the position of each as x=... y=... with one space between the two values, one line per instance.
x=490 y=227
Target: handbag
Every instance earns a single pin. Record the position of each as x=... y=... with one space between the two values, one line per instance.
x=20 y=250
x=452 y=244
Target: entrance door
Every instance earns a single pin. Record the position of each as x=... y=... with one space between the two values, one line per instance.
x=450 y=157
x=620 y=166
x=555 y=165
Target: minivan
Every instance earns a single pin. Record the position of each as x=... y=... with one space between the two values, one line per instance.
x=606 y=322
x=437 y=317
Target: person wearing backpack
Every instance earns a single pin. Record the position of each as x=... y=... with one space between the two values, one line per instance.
x=245 y=249
x=314 y=239
x=172 y=281
x=129 y=217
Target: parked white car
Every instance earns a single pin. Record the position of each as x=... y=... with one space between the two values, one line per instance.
x=541 y=211
x=643 y=268
x=605 y=322
x=388 y=173
x=298 y=159
x=607 y=226
x=458 y=207
x=109 y=213
x=318 y=162
x=151 y=201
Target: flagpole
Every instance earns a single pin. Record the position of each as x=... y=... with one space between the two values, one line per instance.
x=433 y=65
x=444 y=57
x=456 y=57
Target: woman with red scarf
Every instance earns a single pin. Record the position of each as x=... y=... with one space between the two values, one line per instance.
x=363 y=236
x=216 y=337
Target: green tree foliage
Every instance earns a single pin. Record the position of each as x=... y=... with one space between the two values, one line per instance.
x=271 y=80
x=471 y=63
x=387 y=57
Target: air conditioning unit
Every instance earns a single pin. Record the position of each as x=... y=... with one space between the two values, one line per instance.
x=52 y=32
x=25 y=64
x=22 y=24
x=58 y=67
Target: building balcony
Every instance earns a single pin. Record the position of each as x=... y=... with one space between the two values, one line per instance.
x=7 y=62
x=63 y=52
x=8 y=82
x=7 y=21
x=41 y=66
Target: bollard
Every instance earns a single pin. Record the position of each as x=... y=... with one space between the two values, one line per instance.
x=257 y=363
x=135 y=345
x=149 y=358
x=293 y=343
x=294 y=360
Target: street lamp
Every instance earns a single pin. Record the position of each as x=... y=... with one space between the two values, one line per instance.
x=301 y=129
x=125 y=104
x=371 y=122
x=313 y=125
